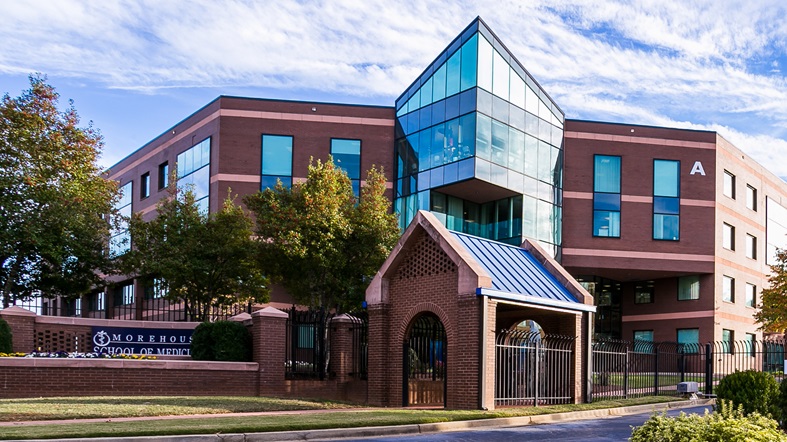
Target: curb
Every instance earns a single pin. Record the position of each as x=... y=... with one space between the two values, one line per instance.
x=403 y=430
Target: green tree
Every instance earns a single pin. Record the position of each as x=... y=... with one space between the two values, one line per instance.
x=772 y=315
x=53 y=199
x=202 y=260
x=320 y=243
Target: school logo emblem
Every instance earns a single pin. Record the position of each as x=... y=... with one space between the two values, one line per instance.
x=101 y=338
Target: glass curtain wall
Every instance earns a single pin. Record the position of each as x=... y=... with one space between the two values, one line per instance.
x=120 y=239
x=475 y=113
x=193 y=167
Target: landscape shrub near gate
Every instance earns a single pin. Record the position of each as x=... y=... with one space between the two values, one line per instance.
x=753 y=391
x=5 y=337
x=221 y=341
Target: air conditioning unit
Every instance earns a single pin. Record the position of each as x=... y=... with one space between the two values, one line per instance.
x=687 y=387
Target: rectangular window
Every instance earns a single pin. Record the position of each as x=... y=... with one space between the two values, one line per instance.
x=606 y=196
x=193 y=166
x=643 y=335
x=751 y=295
x=156 y=289
x=124 y=295
x=643 y=293
x=666 y=200
x=728 y=236
x=728 y=340
x=688 y=288
x=96 y=302
x=751 y=197
x=751 y=246
x=347 y=156
x=729 y=185
x=728 y=288
x=163 y=175
x=751 y=344
x=144 y=186
x=689 y=339
x=276 y=161
x=119 y=239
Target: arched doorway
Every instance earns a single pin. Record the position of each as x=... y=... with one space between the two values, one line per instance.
x=425 y=361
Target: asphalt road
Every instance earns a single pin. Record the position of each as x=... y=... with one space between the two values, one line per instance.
x=599 y=430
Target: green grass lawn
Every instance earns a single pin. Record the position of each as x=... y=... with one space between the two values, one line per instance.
x=110 y=407
x=642 y=380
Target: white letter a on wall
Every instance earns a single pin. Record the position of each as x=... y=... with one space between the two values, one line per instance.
x=697 y=168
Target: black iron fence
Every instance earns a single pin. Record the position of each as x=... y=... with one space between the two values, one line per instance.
x=360 y=345
x=533 y=369
x=623 y=369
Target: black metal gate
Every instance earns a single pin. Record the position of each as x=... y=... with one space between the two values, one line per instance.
x=425 y=363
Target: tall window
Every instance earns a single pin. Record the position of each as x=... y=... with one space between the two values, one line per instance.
x=751 y=344
x=347 y=156
x=751 y=197
x=728 y=236
x=95 y=302
x=729 y=185
x=163 y=175
x=666 y=200
x=606 y=196
x=643 y=293
x=728 y=288
x=276 y=160
x=144 y=185
x=688 y=288
x=751 y=246
x=124 y=294
x=155 y=289
x=751 y=295
x=689 y=338
x=193 y=167
x=120 y=239
x=728 y=340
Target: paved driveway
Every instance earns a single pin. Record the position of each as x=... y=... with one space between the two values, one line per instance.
x=599 y=430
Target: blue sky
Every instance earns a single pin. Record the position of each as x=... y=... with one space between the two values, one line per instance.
x=136 y=68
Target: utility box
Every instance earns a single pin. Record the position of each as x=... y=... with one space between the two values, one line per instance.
x=687 y=387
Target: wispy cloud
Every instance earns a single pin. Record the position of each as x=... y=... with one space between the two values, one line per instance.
x=699 y=63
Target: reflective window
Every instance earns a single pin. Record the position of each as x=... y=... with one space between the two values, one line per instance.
x=453 y=72
x=119 y=239
x=193 y=168
x=688 y=288
x=689 y=338
x=728 y=340
x=666 y=201
x=606 y=196
x=643 y=335
x=469 y=63
x=124 y=294
x=728 y=236
x=163 y=175
x=751 y=246
x=347 y=156
x=751 y=197
x=485 y=51
x=666 y=178
x=194 y=158
x=751 y=295
x=500 y=71
x=643 y=292
x=276 y=160
x=729 y=185
x=144 y=185
x=728 y=288
x=438 y=84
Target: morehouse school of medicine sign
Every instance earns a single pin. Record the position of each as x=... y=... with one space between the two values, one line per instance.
x=141 y=341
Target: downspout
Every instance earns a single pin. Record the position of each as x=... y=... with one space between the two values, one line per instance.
x=482 y=365
x=589 y=356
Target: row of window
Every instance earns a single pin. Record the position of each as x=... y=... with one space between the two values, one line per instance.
x=690 y=339
x=730 y=192
x=728 y=241
x=277 y=160
x=689 y=290
x=607 y=196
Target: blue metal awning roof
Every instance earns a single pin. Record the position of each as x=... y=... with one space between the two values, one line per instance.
x=517 y=276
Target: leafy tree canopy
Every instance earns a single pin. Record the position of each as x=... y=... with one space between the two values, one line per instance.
x=320 y=243
x=203 y=260
x=772 y=315
x=52 y=198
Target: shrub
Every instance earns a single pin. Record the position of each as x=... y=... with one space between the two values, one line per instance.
x=754 y=391
x=221 y=341
x=727 y=424
x=5 y=337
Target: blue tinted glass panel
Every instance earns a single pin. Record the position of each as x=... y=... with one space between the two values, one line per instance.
x=516 y=150
x=438 y=111
x=485 y=64
x=450 y=173
x=666 y=178
x=467 y=136
x=438 y=145
x=606 y=224
x=666 y=227
x=424 y=149
x=452 y=134
x=438 y=85
x=347 y=156
x=467 y=101
x=669 y=206
x=267 y=181
x=276 y=155
x=426 y=93
x=469 y=62
x=606 y=174
x=689 y=337
x=452 y=80
x=606 y=201
x=483 y=136
x=499 y=143
x=465 y=169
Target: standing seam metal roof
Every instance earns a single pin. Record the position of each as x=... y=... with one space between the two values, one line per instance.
x=514 y=270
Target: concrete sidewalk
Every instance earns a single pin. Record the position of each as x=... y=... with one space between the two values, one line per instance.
x=342 y=433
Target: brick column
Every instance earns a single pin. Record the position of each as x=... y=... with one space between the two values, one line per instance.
x=342 y=348
x=488 y=365
x=380 y=375
x=269 y=340
x=23 y=328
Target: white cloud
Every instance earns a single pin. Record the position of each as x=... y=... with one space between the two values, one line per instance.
x=715 y=64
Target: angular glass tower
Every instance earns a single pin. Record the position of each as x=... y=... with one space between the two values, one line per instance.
x=480 y=145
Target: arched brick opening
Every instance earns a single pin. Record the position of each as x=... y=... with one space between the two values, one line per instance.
x=425 y=362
